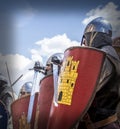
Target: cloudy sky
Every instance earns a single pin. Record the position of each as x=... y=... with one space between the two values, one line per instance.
x=33 y=30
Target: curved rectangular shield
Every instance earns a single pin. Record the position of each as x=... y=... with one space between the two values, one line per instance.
x=41 y=109
x=20 y=107
x=77 y=82
x=44 y=101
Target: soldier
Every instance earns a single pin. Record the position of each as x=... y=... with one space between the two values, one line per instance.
x=102 y=112
x=6 y=98
x=26 y=90
x=27 y=87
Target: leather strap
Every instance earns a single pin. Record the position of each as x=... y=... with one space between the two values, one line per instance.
x=102 y=123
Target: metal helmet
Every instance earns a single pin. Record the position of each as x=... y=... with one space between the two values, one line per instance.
x=99 y=25
x=97 y=33
x=56 y=58
x=26 y=88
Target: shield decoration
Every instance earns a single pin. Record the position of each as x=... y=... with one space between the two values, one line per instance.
x=20 y=107
x=78 y=80
x=44 y=102
x=4 y=116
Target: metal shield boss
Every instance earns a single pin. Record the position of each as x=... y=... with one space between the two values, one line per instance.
x=77 y=82
x=3 y=116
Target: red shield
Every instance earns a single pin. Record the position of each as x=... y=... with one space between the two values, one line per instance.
x=42 y=105
x=77 y=82
x=19 y=107
x=44 y=101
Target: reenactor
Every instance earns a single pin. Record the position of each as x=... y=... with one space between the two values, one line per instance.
x=102 y=113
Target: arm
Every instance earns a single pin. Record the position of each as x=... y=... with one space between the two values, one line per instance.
x=106 y=73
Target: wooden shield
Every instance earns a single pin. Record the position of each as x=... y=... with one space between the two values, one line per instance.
x=77 y=82
x=20 y=107
x=44 y=101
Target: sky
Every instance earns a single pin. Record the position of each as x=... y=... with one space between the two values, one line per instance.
x=33 y=30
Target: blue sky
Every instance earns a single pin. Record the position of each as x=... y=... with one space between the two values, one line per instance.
x=35 y=29
x=33 y=20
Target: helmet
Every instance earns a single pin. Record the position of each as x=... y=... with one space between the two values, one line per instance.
x=99 y=25
x=97 y=33
x=37 y=64
x=26 y=88
x=56 y=58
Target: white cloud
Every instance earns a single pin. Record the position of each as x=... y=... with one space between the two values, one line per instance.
x=110 y=12
x=18 y=64
x=49 y=46
x=36 y=55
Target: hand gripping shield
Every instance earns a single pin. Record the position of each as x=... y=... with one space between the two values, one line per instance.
x=77 y=83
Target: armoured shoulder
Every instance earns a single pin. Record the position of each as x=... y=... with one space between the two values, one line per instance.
x=109 y=50
x=112 y=57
